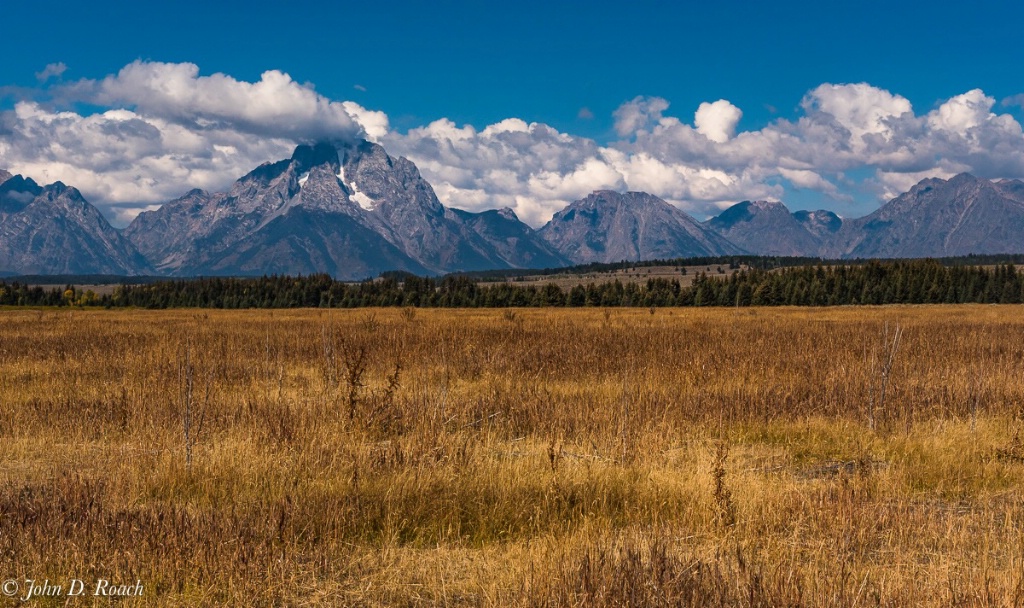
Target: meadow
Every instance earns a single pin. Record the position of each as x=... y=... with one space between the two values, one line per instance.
x=847 y=456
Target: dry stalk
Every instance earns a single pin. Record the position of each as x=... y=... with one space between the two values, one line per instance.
x=725 y=508
x=882 y=369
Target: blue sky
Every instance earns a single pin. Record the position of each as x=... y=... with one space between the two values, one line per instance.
x=572 y=67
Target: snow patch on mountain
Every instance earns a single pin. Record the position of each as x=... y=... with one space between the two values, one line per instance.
x=362 y=199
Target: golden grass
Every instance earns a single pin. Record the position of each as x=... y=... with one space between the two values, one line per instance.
x=541 y=458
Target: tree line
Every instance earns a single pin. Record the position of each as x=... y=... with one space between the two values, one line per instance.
x=874 y=282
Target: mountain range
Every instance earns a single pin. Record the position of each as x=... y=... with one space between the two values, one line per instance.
x=354 y=211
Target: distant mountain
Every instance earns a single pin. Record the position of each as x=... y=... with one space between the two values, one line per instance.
x=16 y=192
x=402 y=206
x=821 y=223
x=517 y=244
x=54 y=230
x=940 y=218
x=768 y=228
x=608 y=226
x=352 y=211
x=935 y=218
x=281 y=217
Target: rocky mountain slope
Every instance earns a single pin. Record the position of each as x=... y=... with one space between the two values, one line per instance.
x=281 y=217
x=821 y=223
x=54 y=230
x=768 y=228
x=609 y=226
x=353 y=211
x=936 y=218
x=518 y=244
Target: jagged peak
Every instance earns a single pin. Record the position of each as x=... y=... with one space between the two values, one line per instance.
x=958 y=181
x=926 y=184
x=766 y=205
x=322 y=153
x=618 y=197
x=60 y=190
x=740 y=212
x=266 y=172
x=817 y=213
x=57 y=188
x=745 y=211
x=508 y=213
x=362 y=150
x=822 y=218
x=963 y=178
x=20 y=184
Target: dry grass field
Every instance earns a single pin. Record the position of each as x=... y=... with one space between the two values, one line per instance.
x=719 y=457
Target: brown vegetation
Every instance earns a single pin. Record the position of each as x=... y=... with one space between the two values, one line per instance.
x=518 y=458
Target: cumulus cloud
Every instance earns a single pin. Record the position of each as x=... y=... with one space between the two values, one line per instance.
x=717 y=121
x=530 y=167
x=963 y=112
x=121 y=156
x=168 y=130
x=537 y=170
x=809 y=180
x=638 y=114
x=859 y=108
x=165 y=128
x=274 y=106
x=890 y=184
x=374 y=124
x=709 y=165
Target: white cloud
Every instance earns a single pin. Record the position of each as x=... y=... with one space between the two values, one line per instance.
x=274 y=106
x=169 y=129
x=537 y=170
x=860 y=108
x=509 y=125
x=802 y=178
x=638 y=114
x=892 y=184
x=530 y=167
x=127 y=214
x=590 y=175
x=717 y=121
x=375 y=124
x=120 y=156
x=963 y=112
x=166 y=128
